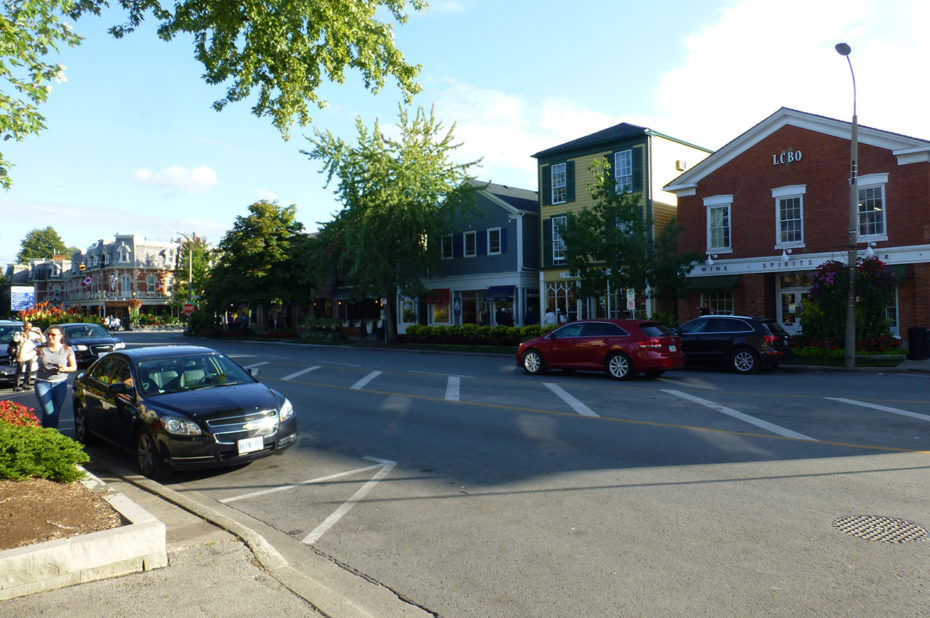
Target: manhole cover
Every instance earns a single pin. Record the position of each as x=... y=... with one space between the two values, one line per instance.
x=878 y=528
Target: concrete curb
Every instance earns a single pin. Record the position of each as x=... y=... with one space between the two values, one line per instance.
x=138 y=546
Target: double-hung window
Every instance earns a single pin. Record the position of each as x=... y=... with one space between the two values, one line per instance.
x=718 y=223
x=558 y=245
x=872 y=207
x=471 y=246
x=789 y=216
x=623 y=171
x=446 y=244
x=559 y=184
x=494 y=241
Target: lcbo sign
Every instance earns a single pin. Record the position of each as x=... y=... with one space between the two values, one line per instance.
x=786 y=157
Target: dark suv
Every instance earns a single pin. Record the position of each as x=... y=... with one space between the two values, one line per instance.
x=745 y=344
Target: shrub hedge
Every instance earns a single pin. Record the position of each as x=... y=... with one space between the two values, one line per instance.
x=27 y=450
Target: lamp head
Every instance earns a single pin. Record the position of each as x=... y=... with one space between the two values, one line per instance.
x=843 y=49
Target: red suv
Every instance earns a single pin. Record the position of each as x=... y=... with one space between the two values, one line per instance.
x=622 y=348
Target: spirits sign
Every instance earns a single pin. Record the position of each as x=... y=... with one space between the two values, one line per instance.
x=786 y=157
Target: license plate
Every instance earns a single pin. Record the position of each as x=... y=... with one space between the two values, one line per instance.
x=249 y=445
x=672 y=347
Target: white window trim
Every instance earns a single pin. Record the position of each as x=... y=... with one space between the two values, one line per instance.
x=124 y=254
x=564 y=181
x=718 y=201
x=465 y=236
x=447 y=238
x=785 y=192
x=629 y=187
x=555 y=235
x=499 y=243
x=867 y=182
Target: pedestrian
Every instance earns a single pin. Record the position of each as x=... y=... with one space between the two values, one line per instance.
x=26 y=365
x=22 y=367
x=549 y=319
x=562 y=317
x=56 y=361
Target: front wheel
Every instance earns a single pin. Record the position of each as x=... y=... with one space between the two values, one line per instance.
x=80 y=424
x=147 y=456
x=745 y=361
x=619 y=366
x=533 y=362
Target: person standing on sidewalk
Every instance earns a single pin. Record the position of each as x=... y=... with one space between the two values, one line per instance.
x=56 y=361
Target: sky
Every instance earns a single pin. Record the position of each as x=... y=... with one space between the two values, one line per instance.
x=133 y=145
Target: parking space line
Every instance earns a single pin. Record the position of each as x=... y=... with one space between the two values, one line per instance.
x=329 y=522
x=452 y=388
x=254 y=365
x=321 y=479
x=301 y=372
x=575 y=405
x=361 y=383
x=875 y=406
x=776 y=429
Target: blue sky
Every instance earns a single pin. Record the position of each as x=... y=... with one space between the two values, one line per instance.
x=134 y=147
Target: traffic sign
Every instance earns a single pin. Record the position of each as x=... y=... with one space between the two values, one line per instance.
x=188 y=308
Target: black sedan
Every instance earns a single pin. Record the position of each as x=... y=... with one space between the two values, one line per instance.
x=181 y=407
x=89 y=341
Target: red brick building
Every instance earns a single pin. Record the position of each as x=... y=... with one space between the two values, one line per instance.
x=773 y=204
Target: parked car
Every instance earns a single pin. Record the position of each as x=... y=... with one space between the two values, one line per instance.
x=8 y=328
x=90 y=341
x=622 y=348
x=181 y=407
x=744 y=344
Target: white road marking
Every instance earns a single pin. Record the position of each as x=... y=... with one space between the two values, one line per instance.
x=575 y=405
x=452 y=388
x=875 y=406
x=329 y=522
x=254 y=365
x=321 y=479
x=435 y=373
x=301 y=372
x=776 y=429
x=326 y=362
x=361 y=383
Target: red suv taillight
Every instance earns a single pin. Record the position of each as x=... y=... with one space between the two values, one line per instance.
x=652 y=343
x=768 y=344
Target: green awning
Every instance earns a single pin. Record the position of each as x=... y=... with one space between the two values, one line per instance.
x=703 y=284
x=899 y=271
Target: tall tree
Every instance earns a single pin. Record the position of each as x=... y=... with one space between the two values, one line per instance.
x=193 y=268
x=279 y=48
x=396 y=194
x=39 y=244
x=610 y=244
x=255 y=263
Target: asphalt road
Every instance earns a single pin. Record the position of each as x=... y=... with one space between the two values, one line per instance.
x=472 y=488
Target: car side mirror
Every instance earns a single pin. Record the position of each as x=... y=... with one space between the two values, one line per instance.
x=255 y=372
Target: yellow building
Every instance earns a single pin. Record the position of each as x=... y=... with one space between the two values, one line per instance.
x=641 y=161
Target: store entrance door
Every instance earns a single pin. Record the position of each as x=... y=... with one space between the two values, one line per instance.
x=789 y=309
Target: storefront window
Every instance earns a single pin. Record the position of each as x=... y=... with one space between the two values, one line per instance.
x=719 y=302
x=441 y=313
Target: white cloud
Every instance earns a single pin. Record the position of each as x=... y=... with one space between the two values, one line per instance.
x=265 y=195
x=176 y=179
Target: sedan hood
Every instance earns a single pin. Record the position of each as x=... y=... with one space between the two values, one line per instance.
x=206 y=403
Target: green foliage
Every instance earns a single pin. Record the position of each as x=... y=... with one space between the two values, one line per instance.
x=396 y=192
x=38 y=244
x=17 y=414
x=30 y=30
x=194 y=260
x=610 y=245
x=473 y=334
x=41 y=453
x=199 y=321
x=256 y=262
x=286 y=51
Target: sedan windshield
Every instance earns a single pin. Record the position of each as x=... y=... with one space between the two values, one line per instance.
x=85 y=331
x=172 y=375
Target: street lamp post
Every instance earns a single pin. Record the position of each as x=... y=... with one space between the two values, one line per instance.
x=850 y=359
x=190 y=268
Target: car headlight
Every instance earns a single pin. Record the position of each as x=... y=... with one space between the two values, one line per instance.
x=286 y=411
x=119 y=346
x=181 y=426
x=80 y=347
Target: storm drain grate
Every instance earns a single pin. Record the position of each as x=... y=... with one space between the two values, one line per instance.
x=878 y=528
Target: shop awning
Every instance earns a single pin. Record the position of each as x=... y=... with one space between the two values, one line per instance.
x=499 y=292
x=703 y=284
x=437 y=297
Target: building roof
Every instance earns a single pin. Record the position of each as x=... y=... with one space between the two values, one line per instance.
x=618 y=132
x=907 y=149
x=521 y=199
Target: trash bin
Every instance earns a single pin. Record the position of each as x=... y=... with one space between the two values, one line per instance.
x=917 y=343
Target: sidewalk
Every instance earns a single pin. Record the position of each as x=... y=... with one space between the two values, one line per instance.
x=220 y=563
